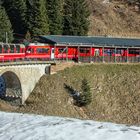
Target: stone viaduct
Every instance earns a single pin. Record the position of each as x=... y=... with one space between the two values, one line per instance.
x=21 y=79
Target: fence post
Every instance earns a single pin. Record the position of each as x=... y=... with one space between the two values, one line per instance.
x=2 y=52
x=54 y=51
x=103 y=54
x=115 y=54
x=66 y=53
x=127 y=55
x=78 y=53
x=139 y=56
x=90 y=54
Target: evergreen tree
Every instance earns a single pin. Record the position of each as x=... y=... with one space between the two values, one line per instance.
x=5 y=26
x=37 y=17
x=16 y=10
x=85 y=96
x=28 y=36
x=76 y=15
x=55 y=15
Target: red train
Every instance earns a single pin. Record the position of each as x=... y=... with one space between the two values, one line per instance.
x=11 y=52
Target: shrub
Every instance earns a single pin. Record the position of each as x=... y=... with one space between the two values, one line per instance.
x=85 y=97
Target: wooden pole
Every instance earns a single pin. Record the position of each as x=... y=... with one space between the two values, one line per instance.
x=78 y=54
x=103 y=55
x=66 y=53
x=127 y=55
x=90 y=54
x=54 y=51
x=115 y=54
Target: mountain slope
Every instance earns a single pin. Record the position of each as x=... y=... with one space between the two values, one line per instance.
x=115 y=90
x=114 y=18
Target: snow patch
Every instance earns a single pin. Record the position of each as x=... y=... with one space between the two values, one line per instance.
x=15 y=126
x=106 y=1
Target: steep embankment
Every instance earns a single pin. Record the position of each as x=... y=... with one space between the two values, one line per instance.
x=114 y=18
x=115 y=89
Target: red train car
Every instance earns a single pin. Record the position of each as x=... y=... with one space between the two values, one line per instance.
x=73 y=52
x=11 y=52
x=45 y=51
x=40 y=51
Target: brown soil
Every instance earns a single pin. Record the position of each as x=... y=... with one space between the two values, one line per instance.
x=61 y=66
x=4 y=106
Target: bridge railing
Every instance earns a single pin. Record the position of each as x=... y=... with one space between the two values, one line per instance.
x=20 y=61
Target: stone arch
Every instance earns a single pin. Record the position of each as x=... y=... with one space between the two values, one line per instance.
x=13 y=86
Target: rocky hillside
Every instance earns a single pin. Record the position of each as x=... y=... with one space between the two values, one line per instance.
x=114 y=18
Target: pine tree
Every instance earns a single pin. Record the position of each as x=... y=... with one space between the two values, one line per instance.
x=76 y=15
x=28 y=36
x=55 y=15
x=37 y=17
x=5 y=26
x=85 y=96
x=16 y=10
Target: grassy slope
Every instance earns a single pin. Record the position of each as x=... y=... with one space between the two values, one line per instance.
x=115 y=88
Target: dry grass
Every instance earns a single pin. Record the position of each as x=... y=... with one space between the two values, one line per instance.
x=115 y=88
x=114 y=19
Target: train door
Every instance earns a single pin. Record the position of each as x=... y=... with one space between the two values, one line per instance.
x=52 y=53
x=96 y=52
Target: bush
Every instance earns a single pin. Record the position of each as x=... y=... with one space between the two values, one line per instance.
x=85 y=97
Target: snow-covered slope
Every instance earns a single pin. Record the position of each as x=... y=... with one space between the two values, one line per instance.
x=32 y=127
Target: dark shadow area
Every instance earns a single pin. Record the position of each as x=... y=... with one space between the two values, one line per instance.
x=73 y=93
x=15 y=101
x=2 y=86
x=82 y=98
x=11 y=88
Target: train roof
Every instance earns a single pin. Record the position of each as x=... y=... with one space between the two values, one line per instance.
x=88 y=41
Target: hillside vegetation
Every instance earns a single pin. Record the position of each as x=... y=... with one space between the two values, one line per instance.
x=115 y=93
x=24 y=19
x=114 y=18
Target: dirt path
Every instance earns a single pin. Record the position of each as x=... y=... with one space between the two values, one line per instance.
x=61 y=66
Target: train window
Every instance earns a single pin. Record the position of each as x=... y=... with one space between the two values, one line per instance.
x=12 y=48
x=62 y=50
x=134 y=52
x=118 y=51
x=97 y=52
x=84 y=50
x=6 y=48
x=42 y=50
x=17 y=49
x=108 y=51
